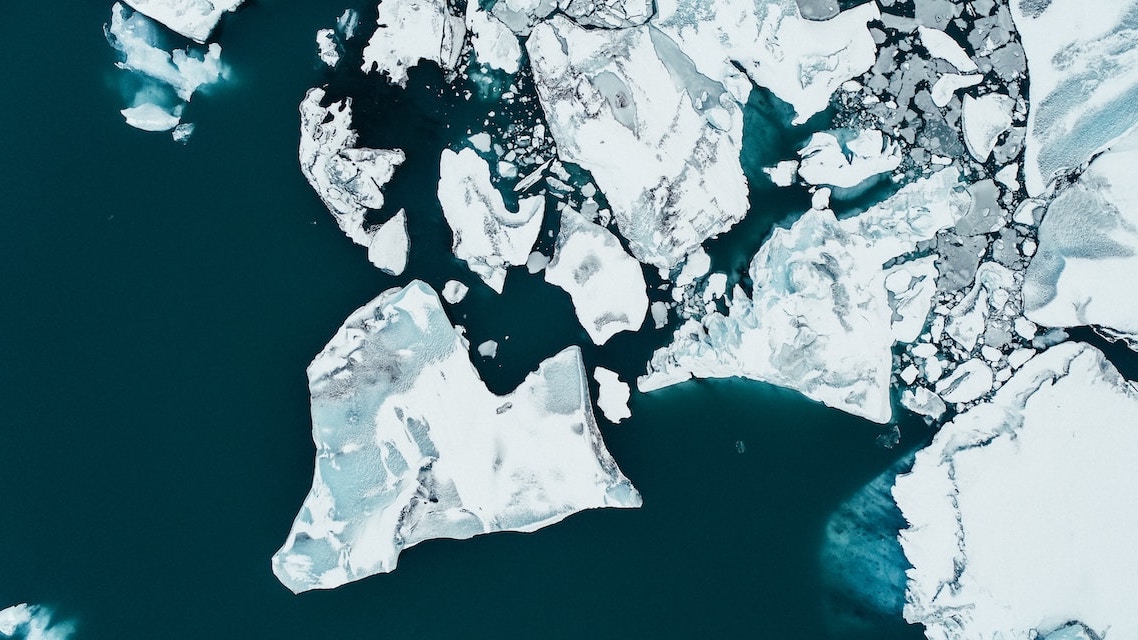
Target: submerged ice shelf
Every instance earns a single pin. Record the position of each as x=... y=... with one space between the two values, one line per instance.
x=410 y=445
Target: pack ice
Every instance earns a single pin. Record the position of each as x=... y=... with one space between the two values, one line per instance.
x=1020 y=512
x=819 y=319
x=410 y=445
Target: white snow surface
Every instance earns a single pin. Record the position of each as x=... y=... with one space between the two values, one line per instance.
x=605 y=284
x=1088 y=239
x=348 y=179
x=1020 y=512
x=486 y=235
x=1083 y=65
x=412 y=31
x=169 y=78
x=824 y=159
x=984 y=120
x=32 y=622
x=818 y=320
x=494 y=44
x=194 y=19
x=410 y=445
x=390 y=245
x=661 y=140
x=613 y=396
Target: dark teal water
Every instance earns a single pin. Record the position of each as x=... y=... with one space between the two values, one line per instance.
x=159 y=307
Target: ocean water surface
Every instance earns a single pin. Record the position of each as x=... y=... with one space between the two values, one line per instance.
x=160 y=305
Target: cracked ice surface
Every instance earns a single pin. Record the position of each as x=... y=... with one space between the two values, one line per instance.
x=1087 y=238
x=486 y=235
x=410 y=445
x=1083 y=66
x=818 y=320
x=605 y=283
x=1020 y=515
x=661 y=140
x=409 y=32
x=195 y=19
x=349 y=180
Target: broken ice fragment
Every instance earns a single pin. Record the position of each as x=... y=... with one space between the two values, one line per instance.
x=614 y=394
x=390 y=245
x=454 y=291
x=486 y=235
x=984 y=120
x=410 y=445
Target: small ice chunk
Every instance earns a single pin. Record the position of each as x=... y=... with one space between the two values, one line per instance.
x=327 y=48
x=481 y=141
x=454 y=291
x=536 y=262
x=911 y=286
x=820 y=199
x=487 y=236
x=947 y=85
x=390 y=245
x=716 y=287
x=660 y=314
x=613 y=397
x=151 y=117
x=696 y=265
x=605 y=284
x=488 y=349
x=943 y=46
x=181 y=133
x=923 y=402
x=783 y=173
x=970 y=381
x=984 y=120
x=33 y=622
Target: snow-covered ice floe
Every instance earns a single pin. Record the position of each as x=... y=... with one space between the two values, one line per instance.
x=350 y=179
x=486 y=235
x=194 y=19
x=605 y=283
x=828 y=161
x=166 y=79
x=1021 y=511
x=819 y=318
x=412 y=31
x=410 y=445
x=1088 y=240
x=661 y=140
x=1083 y=66
x=33 y=622
x=614 y=394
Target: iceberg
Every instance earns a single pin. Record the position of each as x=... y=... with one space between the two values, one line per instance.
x=818 y=320
x=348 y=179
x=410 y=445
x=1088 y=237
x=662 y=141
x=168 y=78
x=1020 y=521
x=194 y=19
x=826 y=161
x=613 y=397
x=486 y=235
x=1083 y=67
x=605 y=283
x=32 y=622
x=412 y=31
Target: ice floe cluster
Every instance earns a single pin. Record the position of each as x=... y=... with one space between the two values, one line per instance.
x=955 y=229
x=160 y=76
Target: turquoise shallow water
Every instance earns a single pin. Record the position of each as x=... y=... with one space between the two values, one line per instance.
x=160 y=304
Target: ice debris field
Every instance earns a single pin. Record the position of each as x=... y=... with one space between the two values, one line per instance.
x=969 y=200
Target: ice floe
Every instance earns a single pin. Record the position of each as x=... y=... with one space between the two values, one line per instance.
x=1088 y=239
x=984 y=120
x=826 y=161
x=1020 y=518
x=348 y=179
x=454 y=291
x=410 y=445
x=661 y=140
x=411 y=31
x=194 y=19
x=605 y=283
x=33 y=622
x=818 y=319
x=614 y=394
x=390 y=245
x=494 y=44
x=486 y=235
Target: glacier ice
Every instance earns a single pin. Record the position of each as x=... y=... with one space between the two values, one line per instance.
x=1088 y=237
x=167 y=79
x=409 y=32
x=33 y=622
x=1020 y=518
x=410 y=445
x=613 y=397
x=817 y=320
x=194 y=19
x=348 y=179
x=1083 y=66
x=627 y=106
x=486 y=235
x=605 y=284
